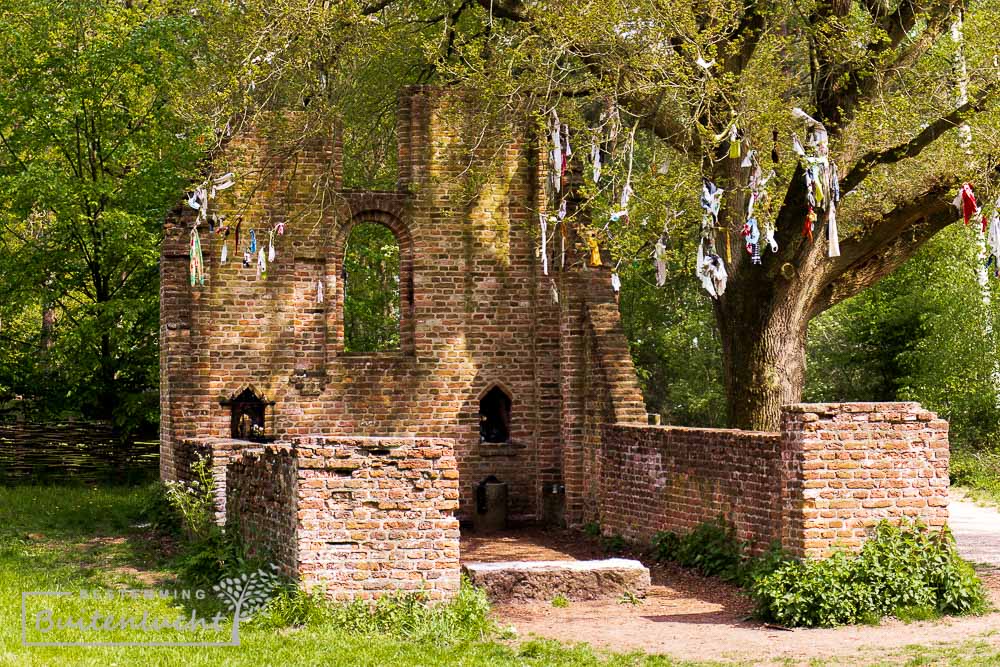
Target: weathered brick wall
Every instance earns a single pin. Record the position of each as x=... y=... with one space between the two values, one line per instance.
x=476 y=309
x=263 y=505
x=849 y=465
x=357 y=516
x=833 y=472
x=672 y=478
x=611 y=395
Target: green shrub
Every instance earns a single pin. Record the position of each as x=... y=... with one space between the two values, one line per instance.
x=208 y=553
x=711 y=548
x=900 y=572
x=978 y=471
x=204 y=561
x=613 y=544
x=812 y=592
x=560 y=601
x=592 y=528
x=158 y=511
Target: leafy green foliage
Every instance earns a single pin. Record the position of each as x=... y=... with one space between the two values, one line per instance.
x=613 y=544
x=560 y=601
x=92 y=156
x=371 y=283
x=977 y=471
x=675 y=345
x=292 y=606
x=713 y=549
x=927 y=333
x=194 y=500
x=209 y=553
x=900 y=571
x=159 y=512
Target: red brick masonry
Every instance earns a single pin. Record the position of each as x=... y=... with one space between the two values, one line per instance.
x=351 y=499
x=358 y=516
x=833 y=472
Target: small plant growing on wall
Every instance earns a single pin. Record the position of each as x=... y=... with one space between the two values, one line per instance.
x=194 y=501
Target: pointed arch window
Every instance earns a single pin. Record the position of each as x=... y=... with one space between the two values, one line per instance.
x=494 y=416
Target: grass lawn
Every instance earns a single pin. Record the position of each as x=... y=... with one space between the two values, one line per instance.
x=73 y=538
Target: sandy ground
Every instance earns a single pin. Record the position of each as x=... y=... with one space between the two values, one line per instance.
x=696 y=618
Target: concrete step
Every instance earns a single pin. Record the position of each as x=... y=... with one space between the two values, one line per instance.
x=527 y=581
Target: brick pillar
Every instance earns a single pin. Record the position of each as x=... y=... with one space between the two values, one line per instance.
x=847 y=466
x=175 y=343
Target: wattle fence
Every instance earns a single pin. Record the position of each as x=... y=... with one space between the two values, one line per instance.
x=73 y=452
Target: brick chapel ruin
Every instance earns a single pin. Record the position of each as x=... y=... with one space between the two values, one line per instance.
x=373 y=459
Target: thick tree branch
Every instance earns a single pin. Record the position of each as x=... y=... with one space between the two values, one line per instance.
x=869 y=257
x=869 y=161
x=748 y=33
x=840 y=89
x=376 y=7
x=512 y=10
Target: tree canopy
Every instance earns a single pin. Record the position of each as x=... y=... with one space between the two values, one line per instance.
x=93 y=152
x=108 y=106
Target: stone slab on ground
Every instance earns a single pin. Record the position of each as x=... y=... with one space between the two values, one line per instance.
x=526 y=581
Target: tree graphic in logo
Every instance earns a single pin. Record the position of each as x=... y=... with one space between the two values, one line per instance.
x=245 y=595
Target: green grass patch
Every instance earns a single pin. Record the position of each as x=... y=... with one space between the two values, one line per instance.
x=73 y=538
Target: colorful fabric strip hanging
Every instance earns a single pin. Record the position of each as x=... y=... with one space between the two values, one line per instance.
x=544 y=224
x=833 y=238
x=660 y=260
x=965 y=202
x=197 y=261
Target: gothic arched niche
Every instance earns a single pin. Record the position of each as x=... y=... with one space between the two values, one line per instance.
x=248 y=411
x=494 y=416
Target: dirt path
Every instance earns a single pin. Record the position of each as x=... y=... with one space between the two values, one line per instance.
x=976 y=529
x=695 y=618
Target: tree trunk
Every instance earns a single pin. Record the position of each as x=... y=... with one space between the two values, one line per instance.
x=107 y=398
x=764 y=359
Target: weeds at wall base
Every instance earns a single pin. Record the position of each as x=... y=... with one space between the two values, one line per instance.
x=908 y=572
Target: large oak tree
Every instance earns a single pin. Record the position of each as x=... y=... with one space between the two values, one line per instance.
x=877 y=73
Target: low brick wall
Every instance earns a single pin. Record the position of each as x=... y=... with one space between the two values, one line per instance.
x=850 y=465
x=671 y=478
x=833 y=472
x=358 y=516
x=264 y=503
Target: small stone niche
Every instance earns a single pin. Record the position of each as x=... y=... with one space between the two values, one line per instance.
x=248 y=420
x=494 y=416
